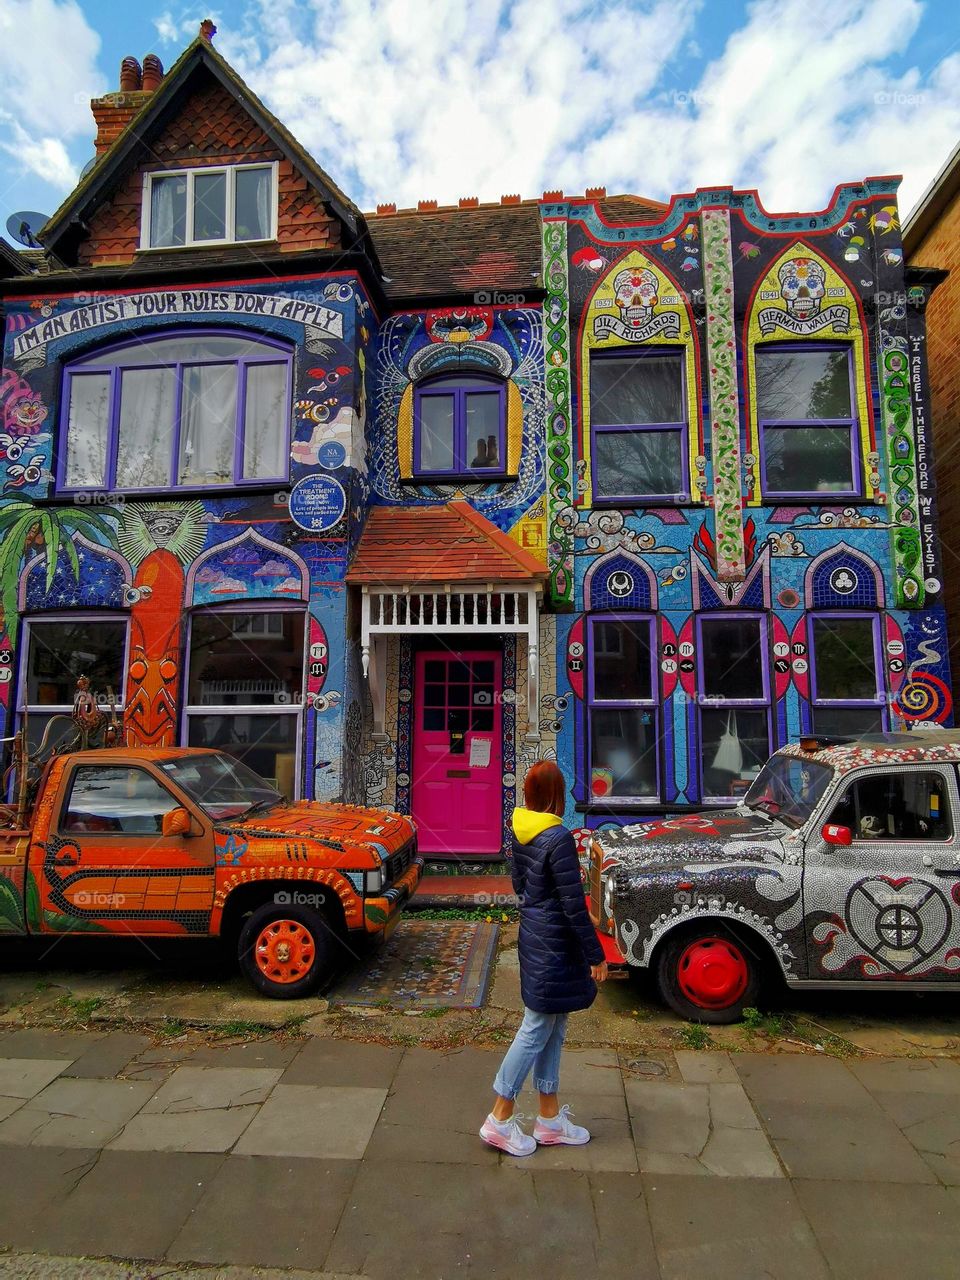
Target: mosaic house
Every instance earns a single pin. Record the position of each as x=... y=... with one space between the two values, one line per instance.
x=392 y=504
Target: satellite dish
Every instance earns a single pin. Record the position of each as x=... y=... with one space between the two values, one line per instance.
x=24 y=227
x=88 y=166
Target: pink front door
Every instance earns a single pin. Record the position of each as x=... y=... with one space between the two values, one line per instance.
x=458 y=752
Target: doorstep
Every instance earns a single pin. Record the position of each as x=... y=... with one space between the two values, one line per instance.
x=464 y=891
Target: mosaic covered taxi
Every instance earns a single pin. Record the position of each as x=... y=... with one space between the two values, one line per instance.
x=841 y=867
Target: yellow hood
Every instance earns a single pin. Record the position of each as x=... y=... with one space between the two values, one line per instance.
x=528 y=823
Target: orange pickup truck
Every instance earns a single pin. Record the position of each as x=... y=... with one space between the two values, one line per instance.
x=186 y=842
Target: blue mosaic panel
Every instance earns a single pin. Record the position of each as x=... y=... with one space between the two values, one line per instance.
x=620 y=584
x=843 y=581
x=100 y=584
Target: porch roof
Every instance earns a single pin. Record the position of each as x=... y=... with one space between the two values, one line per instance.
x=442 y=544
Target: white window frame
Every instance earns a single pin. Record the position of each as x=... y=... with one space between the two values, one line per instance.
x=207 y=170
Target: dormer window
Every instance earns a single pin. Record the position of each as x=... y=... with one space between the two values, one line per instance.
x=232 y=205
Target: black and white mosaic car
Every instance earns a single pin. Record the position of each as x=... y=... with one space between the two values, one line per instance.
x=840 y=868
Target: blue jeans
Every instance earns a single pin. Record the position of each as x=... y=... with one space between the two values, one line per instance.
x=536 y=1046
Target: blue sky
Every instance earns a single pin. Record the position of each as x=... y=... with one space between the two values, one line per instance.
x=409 y=99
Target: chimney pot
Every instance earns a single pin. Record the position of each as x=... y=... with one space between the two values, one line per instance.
x=152 y=73
x=469 y=202
x=386 y=208
x=130 y=74
x=207 y=29
x=425 y=206
x=553 y=197
x=510 y=199
x=595 y=193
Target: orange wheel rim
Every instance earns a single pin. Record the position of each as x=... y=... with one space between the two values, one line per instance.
x=285 y=951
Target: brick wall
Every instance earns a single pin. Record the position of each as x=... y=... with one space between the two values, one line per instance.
x=941 y=248
x=212 y=129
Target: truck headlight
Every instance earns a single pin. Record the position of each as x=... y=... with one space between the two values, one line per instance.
x=373 y=881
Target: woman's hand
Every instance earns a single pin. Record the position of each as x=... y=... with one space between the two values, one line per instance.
x=598 y=972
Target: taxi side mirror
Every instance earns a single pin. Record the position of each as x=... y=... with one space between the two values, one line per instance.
x=177 y=822
x=834 y=834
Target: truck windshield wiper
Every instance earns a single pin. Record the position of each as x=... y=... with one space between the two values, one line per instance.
x=259 y=806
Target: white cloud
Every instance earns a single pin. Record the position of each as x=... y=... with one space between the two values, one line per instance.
x=48 y=70
x=401 y=100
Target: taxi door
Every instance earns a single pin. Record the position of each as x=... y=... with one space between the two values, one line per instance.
x=880 y=875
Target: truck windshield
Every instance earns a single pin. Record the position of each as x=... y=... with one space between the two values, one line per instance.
x=222 y=786
x=789 y=788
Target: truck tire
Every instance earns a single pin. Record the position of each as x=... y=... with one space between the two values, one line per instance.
x=707 y=974
x=286 y=951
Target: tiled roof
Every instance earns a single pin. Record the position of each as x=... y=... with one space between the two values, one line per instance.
x=449 y=543
x=474 y=248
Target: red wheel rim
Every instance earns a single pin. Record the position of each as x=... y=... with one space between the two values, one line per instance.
x=284 y=951
x=712 y=973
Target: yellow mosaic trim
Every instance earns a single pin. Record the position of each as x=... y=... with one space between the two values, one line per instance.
x=669 y=325
x=769 y=304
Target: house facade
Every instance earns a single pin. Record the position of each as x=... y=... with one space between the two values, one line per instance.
x=392 y=505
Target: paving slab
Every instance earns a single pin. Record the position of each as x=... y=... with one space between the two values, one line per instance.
x=823 y=1123
x=250 y=1053
x=730 y=1229
x=29 y=1042
x=36 y=1266
x=109 y=1055
x=199 y=1109
x=130 y=1204
x=324 y=1122
x=25 y=1077
x=698 y=1067
x=869 y=1230
x=698 y=1129
x=44 y=1177
x=344 y=1062
x=75 y=1113
x=610 y=1148
x=443 y=1089
x=490 y=1226
x=301 y=1204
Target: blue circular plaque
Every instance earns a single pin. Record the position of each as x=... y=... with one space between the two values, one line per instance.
x=317 y=503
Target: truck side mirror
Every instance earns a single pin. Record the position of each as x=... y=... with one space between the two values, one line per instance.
x=834 y=834
x=177 y=822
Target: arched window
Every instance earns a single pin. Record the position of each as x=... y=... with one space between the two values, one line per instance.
x=191 y=410
x=458 y=427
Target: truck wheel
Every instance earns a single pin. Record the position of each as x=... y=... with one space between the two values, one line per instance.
x=708 y=975
x=285 y=951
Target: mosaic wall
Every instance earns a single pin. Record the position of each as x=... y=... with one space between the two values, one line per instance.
x=721 y=278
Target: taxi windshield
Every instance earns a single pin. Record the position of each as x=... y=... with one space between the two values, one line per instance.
x=789 y=788
x=222 y=786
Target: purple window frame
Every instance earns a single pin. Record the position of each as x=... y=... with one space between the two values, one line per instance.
x=851 y=704
x=651 y=704
x=459 y=388
x=682 y=493
x=280 y=353
x=853 y=423
x=715 y=702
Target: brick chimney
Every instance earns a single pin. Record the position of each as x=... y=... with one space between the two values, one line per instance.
x=114 y=111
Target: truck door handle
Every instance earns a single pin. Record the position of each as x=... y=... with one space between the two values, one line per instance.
x=68 y=860
x=953 y=874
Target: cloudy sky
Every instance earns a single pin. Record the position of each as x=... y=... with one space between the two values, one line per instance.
x=409 y=99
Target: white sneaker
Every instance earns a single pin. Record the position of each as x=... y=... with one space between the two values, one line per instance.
x=560 y=1131
x=508 y=1136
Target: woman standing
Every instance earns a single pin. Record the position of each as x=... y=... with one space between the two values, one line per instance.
x=561 y=962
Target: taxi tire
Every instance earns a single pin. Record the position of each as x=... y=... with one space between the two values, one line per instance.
x=678 y=949
x=312 y=923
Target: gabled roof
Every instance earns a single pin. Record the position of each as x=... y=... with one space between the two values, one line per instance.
x=12 y=262
x=132 y=146
x=433 y=545
x=934 y=201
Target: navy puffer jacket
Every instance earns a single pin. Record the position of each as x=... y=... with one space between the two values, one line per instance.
x=557 y=940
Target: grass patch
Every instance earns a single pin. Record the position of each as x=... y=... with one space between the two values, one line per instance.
x=438 y=1011
x=500 y=915
x=766 y=1024
x=694 y=1036
x=244 y=1027
x=171 y=1027
x=79 y=1008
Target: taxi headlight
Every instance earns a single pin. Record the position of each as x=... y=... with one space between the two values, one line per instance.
x=608 y=894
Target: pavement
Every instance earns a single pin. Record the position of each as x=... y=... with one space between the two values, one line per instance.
x=339 y=1158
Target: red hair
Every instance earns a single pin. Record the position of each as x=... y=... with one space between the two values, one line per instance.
x=544 y=789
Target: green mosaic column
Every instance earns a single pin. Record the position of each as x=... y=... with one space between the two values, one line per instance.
x=896 y=419
x=559 y=444
x=721 y=344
